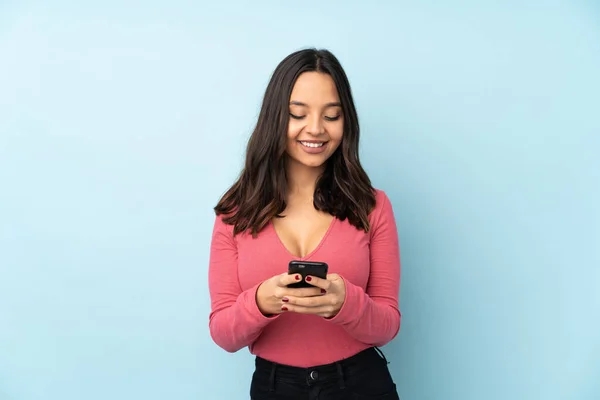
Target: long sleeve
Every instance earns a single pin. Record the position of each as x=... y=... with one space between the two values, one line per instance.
x=373 y=317
x=235 y=320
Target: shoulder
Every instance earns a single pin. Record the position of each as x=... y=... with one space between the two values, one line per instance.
x=220 y=227
x=382 y=201
x=380 y=194
x=382 y=210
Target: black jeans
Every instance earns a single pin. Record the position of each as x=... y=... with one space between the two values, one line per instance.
x=363 y=376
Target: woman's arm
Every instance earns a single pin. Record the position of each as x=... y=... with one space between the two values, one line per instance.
x=373 y=316
x=235 y=320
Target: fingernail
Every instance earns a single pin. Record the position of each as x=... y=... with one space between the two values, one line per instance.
x=323 y=291
x=297 y=277
x=308 y=279
x=285 y=300
x=283 y=308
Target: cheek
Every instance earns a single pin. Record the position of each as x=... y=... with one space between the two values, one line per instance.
x=293 y=130
x=337 y=132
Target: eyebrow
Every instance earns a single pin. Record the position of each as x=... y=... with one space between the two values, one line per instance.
x=299 y=103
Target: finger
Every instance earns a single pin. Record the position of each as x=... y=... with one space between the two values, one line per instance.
x=304 y=292
x=323 y=311
x=318 y=282
x=281 y=292
x=286 y=279
x=314 y=302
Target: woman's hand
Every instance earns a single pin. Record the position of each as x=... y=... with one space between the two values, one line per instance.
x=273 y=294
x=326 y=305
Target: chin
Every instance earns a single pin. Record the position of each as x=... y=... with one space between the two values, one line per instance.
x=312 y=162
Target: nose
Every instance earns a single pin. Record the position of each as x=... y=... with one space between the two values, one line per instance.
x=314 y=125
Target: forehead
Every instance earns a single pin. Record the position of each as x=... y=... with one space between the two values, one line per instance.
x=314 y=88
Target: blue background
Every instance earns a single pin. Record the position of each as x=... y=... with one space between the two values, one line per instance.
x=121 y=123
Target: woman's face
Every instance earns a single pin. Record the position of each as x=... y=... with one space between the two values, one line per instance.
x=316 y=122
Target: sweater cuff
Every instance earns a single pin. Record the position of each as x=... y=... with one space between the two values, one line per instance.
x=352 y=309
x=248 y=302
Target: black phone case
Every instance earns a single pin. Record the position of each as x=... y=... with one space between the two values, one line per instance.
x=304 y=268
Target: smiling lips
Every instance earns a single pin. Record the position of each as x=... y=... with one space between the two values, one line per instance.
x=313 y=146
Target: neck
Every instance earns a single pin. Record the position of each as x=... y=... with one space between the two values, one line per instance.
x=302 y=180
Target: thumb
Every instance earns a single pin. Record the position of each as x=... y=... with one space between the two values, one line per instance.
x=286 y=279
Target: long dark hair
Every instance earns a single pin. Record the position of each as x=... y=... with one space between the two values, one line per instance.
x=343 y=190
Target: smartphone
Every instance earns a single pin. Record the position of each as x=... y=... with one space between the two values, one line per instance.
x=304 y=268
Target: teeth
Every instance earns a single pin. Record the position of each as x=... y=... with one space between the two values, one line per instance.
x=307 y=144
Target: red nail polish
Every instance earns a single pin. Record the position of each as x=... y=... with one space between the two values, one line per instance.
x=297 y=277
x=284 y=308
x=323 y=291
x=285 y=300
x=308 y=279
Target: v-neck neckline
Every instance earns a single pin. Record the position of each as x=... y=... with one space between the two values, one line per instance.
x=311 y=253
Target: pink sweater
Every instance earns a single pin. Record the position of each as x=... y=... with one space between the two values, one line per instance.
x=369 y=263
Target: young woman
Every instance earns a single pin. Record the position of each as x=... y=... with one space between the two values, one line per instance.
x=303 y=195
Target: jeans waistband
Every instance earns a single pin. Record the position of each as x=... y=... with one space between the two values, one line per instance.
x=320 y=373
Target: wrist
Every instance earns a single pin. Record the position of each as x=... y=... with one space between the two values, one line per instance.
x=260 y=301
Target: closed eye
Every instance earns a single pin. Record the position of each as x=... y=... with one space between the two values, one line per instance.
x=326 y=118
